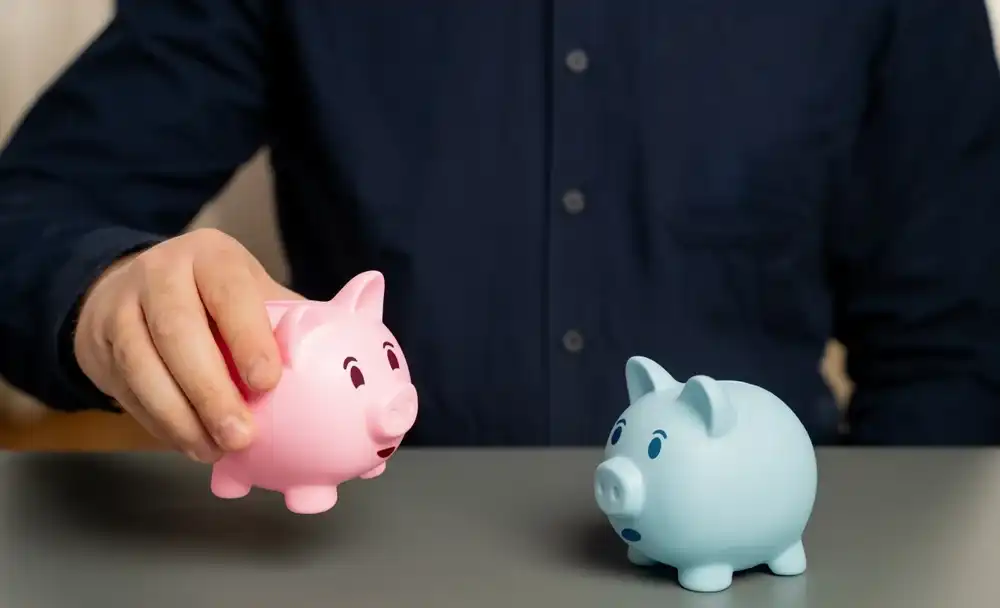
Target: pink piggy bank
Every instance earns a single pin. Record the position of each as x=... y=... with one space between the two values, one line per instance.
x=340 y=410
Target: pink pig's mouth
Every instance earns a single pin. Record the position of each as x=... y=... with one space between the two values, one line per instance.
x=387 y=452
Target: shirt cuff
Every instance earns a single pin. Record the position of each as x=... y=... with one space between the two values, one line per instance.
x=88 y=259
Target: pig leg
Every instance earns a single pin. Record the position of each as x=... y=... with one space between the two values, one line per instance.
x=310 y=500
x=639 y=558
x=225 y=485
x=374 y=472
x=706 y=579
x=791 y=561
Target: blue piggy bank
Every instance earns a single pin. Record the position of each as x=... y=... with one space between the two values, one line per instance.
x=708 y=476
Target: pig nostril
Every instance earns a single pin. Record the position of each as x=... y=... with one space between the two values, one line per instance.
x=394 y=418
x=618 y=488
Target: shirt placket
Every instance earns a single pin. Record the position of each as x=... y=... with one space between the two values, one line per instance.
x=571 y=197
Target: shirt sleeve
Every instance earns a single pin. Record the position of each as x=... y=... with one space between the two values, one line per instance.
x=917 y=245
x=122 y=150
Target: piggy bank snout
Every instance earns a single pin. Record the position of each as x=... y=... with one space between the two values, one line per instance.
x=393 y=418
x=619 y=488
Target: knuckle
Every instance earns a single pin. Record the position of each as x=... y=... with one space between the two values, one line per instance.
x=169 y=324
x=162 y=263
x=213 y=239
x=208 y=233
x=126 y=359
x=152 y=260
x=89 y=342
x=121 y=324
x=125 y=356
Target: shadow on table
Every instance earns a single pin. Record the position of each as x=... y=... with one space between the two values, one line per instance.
x=101 y=498
x=590 y=543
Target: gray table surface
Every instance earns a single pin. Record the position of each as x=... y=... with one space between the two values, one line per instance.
x=484 y=528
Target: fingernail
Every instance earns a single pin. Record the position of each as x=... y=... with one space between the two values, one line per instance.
x=192 y=455
x=235 y=432
x=202 y=455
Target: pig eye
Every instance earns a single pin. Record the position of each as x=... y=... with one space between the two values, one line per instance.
x=391 y=355
x=656 y=444
x=616 y=433
x=357 y=378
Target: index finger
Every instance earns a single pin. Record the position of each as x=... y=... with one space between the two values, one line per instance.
x=234 y=299
x=179 y=327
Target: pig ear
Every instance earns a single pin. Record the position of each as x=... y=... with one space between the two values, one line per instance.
x=364 y=294
x=644 y=376
x=707 y=398
x=297 y=323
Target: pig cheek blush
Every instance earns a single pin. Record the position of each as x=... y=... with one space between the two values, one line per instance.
x=343 y=405
x=708 y=476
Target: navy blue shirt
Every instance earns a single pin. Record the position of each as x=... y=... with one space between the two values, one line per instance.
x=551 y=187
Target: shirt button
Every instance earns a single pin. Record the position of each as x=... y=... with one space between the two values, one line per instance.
x=573 y=341
x=577 y=61
x=573 y=201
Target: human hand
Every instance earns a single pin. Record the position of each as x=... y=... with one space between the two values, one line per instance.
x=145 y=338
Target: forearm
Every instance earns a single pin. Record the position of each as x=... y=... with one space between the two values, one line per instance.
x=53 y=255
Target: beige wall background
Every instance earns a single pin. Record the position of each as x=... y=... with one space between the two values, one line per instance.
x=39 y=37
